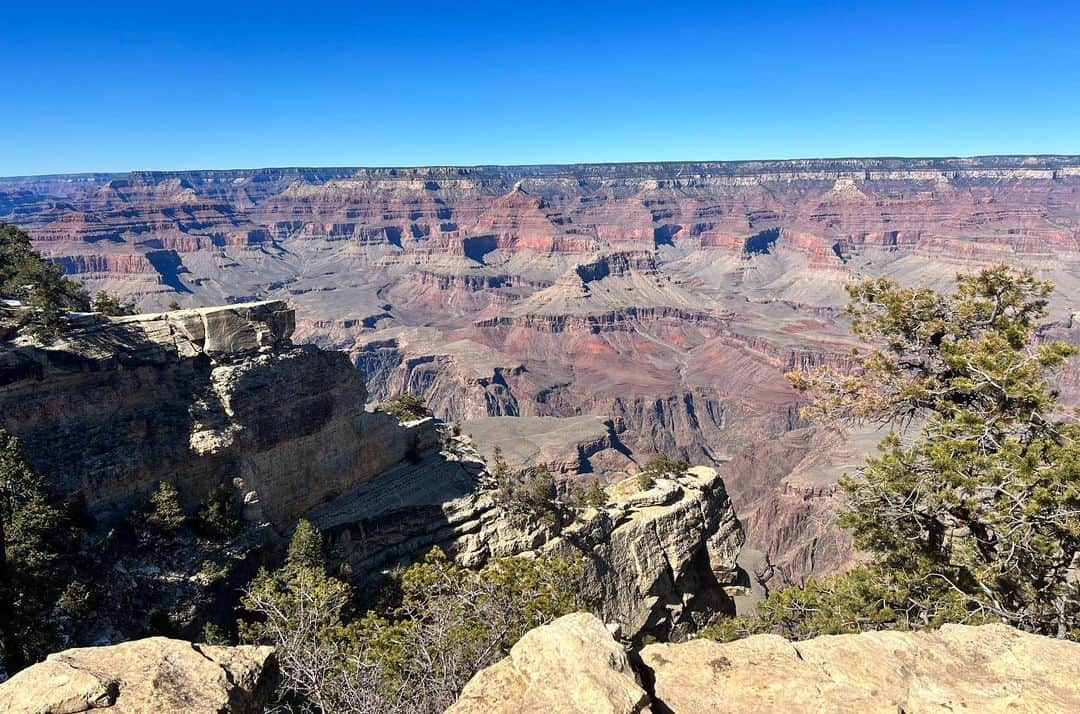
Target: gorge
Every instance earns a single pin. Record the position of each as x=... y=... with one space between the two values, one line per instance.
x=571 y=321
x=669 y=299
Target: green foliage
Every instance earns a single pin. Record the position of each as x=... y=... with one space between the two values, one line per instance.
x=660 y=465
x=213 y=634
x=453 y=621
x=160 y=514
x=37 y=283
x=405 y=407
x=300 y=610
x=865 y=598
x=443 y=623
x=592 y=497
x=105 y=303
x=219 y=513
x=978 y=517
x=527 y=496
x=173 y=305
x=306 y=548
x=212 y=572
x=595 y=495
x=35 y=539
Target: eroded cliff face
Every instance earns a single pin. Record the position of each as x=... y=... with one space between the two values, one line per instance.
x=197 y=398
x=670 y=297
x=992 y=668
x=658 y=561
x=204 y=397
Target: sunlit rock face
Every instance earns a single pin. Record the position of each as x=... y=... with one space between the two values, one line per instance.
x=197 y=398
x=992 y=668
x=658 y=561
x=668 y=298
x=156 y=674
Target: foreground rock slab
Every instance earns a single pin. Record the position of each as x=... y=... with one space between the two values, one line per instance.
x=572 y=664
x=156 y=674
x=992 y=668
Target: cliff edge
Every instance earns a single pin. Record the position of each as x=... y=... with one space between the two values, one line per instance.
x=197 y=398
x=991 y=668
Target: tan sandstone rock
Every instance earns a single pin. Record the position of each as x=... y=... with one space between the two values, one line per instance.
x=156 y=674
x=992 y=668
x=198 y=398
x=657 y=561
x=570 y=665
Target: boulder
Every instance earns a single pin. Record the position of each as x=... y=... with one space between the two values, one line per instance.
x=156 y=674
x=991 y=668
x=247 y=327
x=572 y=664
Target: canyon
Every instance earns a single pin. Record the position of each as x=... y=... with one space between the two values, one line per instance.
x=587 y=316
x=220 y=397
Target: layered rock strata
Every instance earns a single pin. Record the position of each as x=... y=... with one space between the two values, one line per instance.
x=671 y=297
x=656 y=561
x=197 y=398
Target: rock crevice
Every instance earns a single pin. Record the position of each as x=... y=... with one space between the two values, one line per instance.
x=990 y=668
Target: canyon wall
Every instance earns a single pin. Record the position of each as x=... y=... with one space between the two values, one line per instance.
x=197 y=398
x=670 y=298
x=206 y=397
x=658 y=561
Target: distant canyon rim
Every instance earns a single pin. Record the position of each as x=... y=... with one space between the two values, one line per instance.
x=588 y=315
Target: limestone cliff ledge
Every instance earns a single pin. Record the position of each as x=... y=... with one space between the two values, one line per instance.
x=198 y=398
x=991 y=668
x=658 y=561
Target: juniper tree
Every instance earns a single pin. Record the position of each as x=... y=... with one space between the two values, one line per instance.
x=974 y=513
x=108 y=304
x=38 y=283
x=35 y=537
x=405 y=407
x=299 y=608
x=438 y=625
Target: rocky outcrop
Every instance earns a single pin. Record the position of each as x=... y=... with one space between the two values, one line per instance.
x=198 y=398
x=152 y=675
x=992 y=668
x=656 y=561
x=572 y=664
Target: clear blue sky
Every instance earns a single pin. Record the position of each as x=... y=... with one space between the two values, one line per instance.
x=111 y=86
